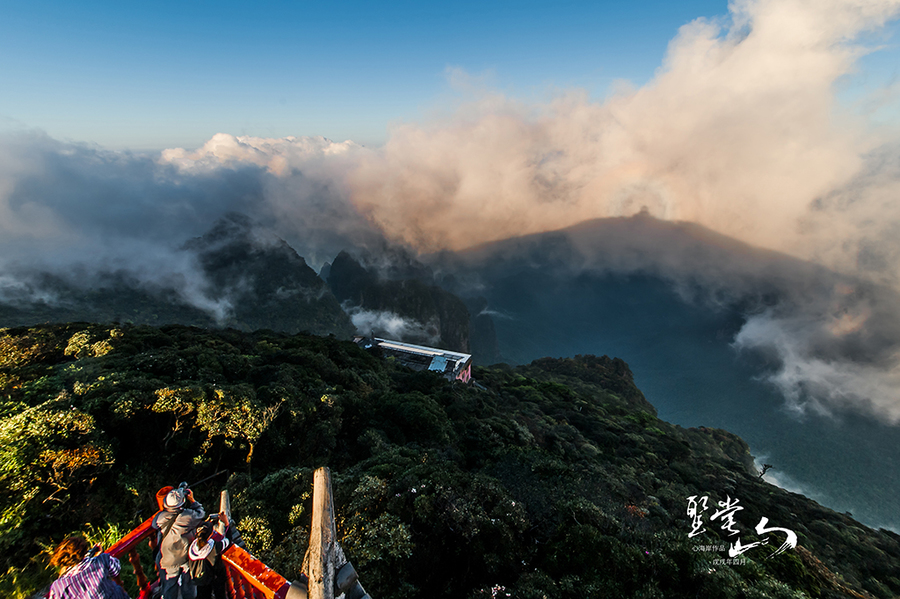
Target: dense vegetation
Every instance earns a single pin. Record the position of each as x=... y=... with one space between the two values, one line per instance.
x=553 y=479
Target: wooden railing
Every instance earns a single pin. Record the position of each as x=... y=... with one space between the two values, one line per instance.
x=127 y=546
x=250 y=578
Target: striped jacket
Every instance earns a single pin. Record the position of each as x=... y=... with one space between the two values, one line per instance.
x=91 y=579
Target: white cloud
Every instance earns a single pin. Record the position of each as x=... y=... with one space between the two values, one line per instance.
x=820 y=381
x=278 y=155
x=391 y=325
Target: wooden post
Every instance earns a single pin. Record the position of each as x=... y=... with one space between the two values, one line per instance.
x=135 y=560
x=322 y=538
x=232 y=586
x=224 y=508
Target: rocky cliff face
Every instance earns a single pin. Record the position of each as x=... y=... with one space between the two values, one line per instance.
x=265 y=282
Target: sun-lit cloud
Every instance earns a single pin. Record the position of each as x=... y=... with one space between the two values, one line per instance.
x=739 y=131
x=278 y=156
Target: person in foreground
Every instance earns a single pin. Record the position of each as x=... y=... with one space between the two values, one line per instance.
x=207 y=567
x=84 y=574
x=176 y=523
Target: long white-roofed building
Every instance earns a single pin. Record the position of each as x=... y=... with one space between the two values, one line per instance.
x=455 y=366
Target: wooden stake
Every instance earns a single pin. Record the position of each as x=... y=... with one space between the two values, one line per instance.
x=224 y=508
x=322 y=538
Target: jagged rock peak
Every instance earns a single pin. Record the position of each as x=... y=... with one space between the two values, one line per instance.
x=237 y=228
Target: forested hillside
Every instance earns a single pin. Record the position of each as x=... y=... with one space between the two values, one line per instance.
x=553 y=479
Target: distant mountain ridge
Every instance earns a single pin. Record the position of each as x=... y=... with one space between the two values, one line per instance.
x=245 y=278
x=266 y=282
x=248 y=278
x=637 y=244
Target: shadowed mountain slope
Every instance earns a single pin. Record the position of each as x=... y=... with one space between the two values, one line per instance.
x=266 y=283
x=714 y=330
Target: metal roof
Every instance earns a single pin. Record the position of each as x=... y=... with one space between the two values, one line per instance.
x=420 y=357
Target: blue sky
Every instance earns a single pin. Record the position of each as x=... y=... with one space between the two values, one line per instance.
x=163 y=74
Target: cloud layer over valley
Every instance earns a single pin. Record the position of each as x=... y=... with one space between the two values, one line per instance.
x=740 y=131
